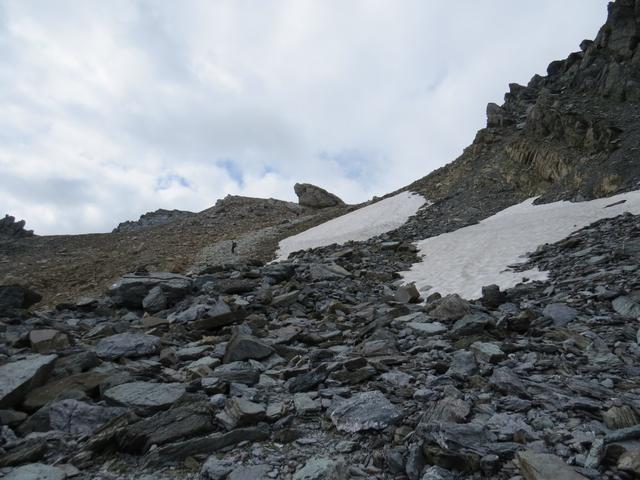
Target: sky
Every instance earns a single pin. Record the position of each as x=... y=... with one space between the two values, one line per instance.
x=112 y=109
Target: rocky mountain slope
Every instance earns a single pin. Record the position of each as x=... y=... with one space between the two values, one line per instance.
x=326 y=366
x=64 y=267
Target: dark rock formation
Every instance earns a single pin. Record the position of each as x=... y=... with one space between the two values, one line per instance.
x=315 y=197
x=10 y=229
x=153 y=219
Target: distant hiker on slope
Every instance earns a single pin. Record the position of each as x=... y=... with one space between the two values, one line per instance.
x=234 y=244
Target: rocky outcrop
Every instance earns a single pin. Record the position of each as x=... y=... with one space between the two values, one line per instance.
x=10 y=229
x=315 y=197
x=153 y=219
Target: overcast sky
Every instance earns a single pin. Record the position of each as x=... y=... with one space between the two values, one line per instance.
x=110 y=109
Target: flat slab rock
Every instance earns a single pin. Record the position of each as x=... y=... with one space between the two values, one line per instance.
x=18 y=378
x=364 y=411
x=145 y=396
x=544 y=466
x=320 y=468
x=128 y=345
x=36 y=471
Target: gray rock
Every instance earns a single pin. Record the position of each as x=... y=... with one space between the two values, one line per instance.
x=252 y=472
x=164 y=427
x=626 y=307
x=320 y=272
x=240 y=412
x=36 y=471
x=437 y=473
x=127 y=345
x=245 y=347
x=463 y=364
x=216 y=469
x=20 y=377
x=10 y=229
x=487 y=352
x=145 y=397
x=560 y=313
x=492 y=297
x=451 y=308
x=238 y=372
x=80 y=418
x=17 y=296
x=320 y=468
x=407 y=294
x=471 y=324
x=544 y=466
x=425 y=329
x=155 y=300
x=48 y=340
x=315 y=197
x=305 y=404
x=364 y=411
x=131 y=289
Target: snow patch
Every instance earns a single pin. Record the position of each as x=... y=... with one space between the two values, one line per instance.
x=361 y=224
x=465 y=260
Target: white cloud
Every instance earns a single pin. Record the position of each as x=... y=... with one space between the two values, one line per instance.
x=101 y=101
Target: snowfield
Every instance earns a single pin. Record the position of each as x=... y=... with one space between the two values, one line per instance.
x=361 y=224
x=469 y=258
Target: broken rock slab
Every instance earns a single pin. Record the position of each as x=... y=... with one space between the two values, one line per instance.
x=245 y=347
x=127 y=345
x=321 y=468
x=36 y=471
x=20 y=377
x=544 y=466
x=145 y=397
x=364 y=411
x=131 y=289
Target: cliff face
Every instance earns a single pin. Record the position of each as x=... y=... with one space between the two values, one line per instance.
x=572 y=134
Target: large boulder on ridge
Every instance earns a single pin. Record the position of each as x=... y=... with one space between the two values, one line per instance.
x=315 y=197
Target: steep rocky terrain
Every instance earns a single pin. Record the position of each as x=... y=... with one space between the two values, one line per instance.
x=326 y=366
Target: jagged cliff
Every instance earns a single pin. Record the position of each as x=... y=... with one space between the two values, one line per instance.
x=572 y=134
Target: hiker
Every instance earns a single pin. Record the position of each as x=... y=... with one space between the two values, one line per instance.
x=233 y=246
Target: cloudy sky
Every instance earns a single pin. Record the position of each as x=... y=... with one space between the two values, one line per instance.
x=109 y=109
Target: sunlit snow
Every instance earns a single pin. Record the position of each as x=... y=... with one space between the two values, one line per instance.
x=466 y=259
x=361 y=224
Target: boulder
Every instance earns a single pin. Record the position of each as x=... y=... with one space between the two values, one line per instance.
x=155 y=301
x=132 y=288
x=451 y=308
x=471 y=324
x=240 y=412
x=36 y=471
x=86 y=383
x=250 y=472
x=560 y=313
x=17 y=296
x=545 y=466
x=215 y=468
x=80 y=418
x=315 y=197
x=48 y=340
x=364 y=411
x=127 y=345
x=322 y=468
x=245 y=347
x=20 y=377
x=145 y=397
x=164 y=427
x=407 y=294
